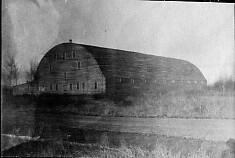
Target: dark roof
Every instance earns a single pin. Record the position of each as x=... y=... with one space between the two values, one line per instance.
x=114 y=62
x=138 y=65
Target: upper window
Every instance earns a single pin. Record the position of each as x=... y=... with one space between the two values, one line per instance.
x=73 y=54
x=125 y=80
x=96 y=85
x=78 y=86
x=50 y=67
x=68 y=54
x=132 y=81
x=149 y=68
x=79 y=65
x=83 y=85
x=146 y=80
x=65 y=75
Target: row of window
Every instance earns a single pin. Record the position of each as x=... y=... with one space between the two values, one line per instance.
x=79 y=86
x=70 y=54
x=137 y=81
x=78 y=66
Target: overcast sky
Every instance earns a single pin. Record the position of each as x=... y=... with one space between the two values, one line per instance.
x=202 y=33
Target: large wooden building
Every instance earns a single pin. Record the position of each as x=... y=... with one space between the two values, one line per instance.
x=75 y=69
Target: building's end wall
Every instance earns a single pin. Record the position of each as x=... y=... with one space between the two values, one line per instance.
x=70 y=69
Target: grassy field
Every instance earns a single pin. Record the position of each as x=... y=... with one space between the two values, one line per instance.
x=137 y=146
x=182 y=104
x=17 y=116
x=176 y=104
x=179 y=104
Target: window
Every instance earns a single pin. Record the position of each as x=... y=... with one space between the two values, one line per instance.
x=63 y=55
x=50 y=86
x=195 y=82
x=79 y=64
x=71 y=86
x=78 y=86
x=173 y=81
x=50 y=67
x=138 y=81
x=83 y=85
x=125 y=80
x=56 y=87
x=149 y=68
x=68 y=55
x=96 y=85
x=147 y=81
x=65 y=75
x=74 y=54
x=132 y=81
x=189 y=81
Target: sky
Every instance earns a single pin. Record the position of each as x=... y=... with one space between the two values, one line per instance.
x=201 y=33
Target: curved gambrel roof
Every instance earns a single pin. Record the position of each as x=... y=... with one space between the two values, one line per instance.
x=120 y=63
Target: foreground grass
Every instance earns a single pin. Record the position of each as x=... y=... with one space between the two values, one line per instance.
x=102 y=149
x=177 y=104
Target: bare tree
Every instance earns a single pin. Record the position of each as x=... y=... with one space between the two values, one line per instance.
x=224 y=85
x=31 y=72
x=16 y=73
x=10 y=70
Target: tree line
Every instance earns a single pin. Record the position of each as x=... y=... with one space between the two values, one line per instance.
x=11 y=72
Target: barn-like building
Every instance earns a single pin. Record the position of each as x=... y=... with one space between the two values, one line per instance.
x=75 y=69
